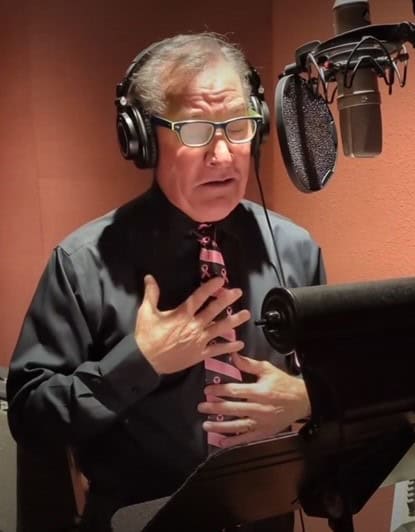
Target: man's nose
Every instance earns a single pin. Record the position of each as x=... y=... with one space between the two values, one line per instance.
x=219 y=152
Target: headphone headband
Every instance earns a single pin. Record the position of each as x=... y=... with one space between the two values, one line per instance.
x=123 y=87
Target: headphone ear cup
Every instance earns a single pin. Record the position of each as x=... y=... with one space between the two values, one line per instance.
x=127 y=134
x=136 y=137
x=150 y=141
x=261 y=107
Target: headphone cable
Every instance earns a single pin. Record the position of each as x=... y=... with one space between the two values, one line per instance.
x=279 y=272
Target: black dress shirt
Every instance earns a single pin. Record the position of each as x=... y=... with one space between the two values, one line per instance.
x=77 y=376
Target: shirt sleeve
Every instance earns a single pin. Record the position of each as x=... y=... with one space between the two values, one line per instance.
x=59 y=390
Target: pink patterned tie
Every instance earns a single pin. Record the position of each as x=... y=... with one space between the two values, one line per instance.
x=220 y=369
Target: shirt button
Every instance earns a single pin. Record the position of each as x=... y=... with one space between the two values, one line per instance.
x=216 y=379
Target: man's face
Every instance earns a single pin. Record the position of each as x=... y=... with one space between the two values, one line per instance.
x=206 y=183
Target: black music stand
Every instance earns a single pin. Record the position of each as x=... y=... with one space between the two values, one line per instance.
x=232 y=486
x=356 y=348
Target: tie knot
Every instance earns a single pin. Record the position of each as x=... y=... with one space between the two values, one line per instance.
x=205 y=234
x=206 y=229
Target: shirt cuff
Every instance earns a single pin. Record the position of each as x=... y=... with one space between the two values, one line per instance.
x=127 y=372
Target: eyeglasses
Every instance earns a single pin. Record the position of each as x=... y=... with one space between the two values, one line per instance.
x=198 y=133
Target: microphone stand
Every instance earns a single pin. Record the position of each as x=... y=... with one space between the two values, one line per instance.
x=342 y=51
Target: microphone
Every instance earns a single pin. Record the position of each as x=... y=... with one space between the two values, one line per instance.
x=358 y=103
x=352 y=60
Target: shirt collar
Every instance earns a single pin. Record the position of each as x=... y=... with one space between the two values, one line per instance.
x=178 y=224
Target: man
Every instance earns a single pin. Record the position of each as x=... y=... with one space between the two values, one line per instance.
x=110 y=357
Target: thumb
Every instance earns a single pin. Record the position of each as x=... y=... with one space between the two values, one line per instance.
x=248 y=365
x=151 y=291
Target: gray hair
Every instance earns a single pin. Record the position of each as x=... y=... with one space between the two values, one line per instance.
x=173 y=62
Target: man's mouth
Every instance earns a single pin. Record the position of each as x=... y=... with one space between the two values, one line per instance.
x=219 y=182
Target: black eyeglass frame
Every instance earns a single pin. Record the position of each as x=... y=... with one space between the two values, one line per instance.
x=177 y=126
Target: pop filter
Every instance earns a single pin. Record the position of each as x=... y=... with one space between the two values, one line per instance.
x=306 y=133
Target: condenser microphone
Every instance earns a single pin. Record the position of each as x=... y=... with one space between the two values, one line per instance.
x=358 y=97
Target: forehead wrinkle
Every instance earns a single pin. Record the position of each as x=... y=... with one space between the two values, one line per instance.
x=201 y=108
x=217 y=94
x=207 y=111
x=206 y=95
x=213 y=103
x=216 y=91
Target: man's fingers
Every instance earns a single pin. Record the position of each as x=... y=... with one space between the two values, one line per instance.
x=151 y=291
x=238 y=426
x=222 y=348
x=222 y=299
x=237 y=390
x=241 y=409
x=222 y=327
x=250 y=365
x=201 y=295
x=243 y=391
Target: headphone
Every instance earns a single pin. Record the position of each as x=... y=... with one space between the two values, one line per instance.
x=136 y=135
